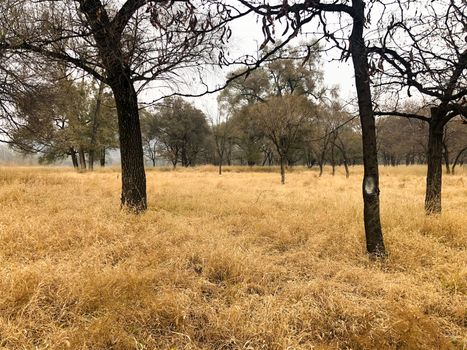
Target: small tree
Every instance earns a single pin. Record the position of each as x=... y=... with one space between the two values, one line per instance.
x=281 y=120
x=222 y=133
x=180 y=129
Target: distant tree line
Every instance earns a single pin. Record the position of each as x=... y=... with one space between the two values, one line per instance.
x=178 y=133
x=280 y=114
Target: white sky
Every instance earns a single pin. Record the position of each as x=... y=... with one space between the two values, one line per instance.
x=246 y=37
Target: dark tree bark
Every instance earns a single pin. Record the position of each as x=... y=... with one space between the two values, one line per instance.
x=131 y=144
x=435 y=164
x=102 y=157
x=371 y=215
x=74 y=158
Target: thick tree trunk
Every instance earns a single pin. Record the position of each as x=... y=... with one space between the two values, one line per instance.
x=131 y=146
x=370 y=187
x=95 y=126
x=435 y=165
x=82 y=159
x=456 y=160
x=320 y=168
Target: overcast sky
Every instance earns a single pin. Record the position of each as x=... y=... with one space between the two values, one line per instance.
x=246 y=37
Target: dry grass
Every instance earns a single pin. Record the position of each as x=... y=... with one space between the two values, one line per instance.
x=228 y=262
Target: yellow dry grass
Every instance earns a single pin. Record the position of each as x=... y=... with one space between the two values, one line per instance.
x=236 y=261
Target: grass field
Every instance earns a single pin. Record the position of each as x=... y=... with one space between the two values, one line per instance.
x=236 y=261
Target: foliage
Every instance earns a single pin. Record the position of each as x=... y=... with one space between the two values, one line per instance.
x=179 y=129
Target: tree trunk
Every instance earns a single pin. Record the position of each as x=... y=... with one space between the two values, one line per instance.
x=221 y=158
x=95 y=126
x=282 y=170
x=320 y=168
x=82 y=159
x=456 y=160
x=131 y=146
x=184 y=157
x=346 y=166
x=333 y=161
x=434 y=160
x=74 y=159
x=446 y=158
x=370 y=187
x=109 y=43
x=344 y=156
x=102 y=160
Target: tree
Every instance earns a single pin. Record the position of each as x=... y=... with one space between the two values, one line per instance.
x=64 y=118
x=222 y=133
x=126 y=47
x=179 y=129
x=281 y=119
x=319 y=135
x=433 y=60
x=283 y=75
x=151 y=145
x=297 y=15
